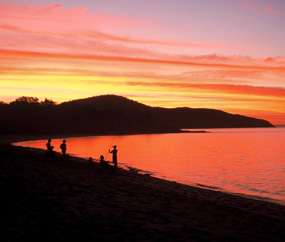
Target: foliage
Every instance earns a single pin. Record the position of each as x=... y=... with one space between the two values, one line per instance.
x=24 y=100
x=48 y=102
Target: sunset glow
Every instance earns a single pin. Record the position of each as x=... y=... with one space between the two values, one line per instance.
x=227 y=55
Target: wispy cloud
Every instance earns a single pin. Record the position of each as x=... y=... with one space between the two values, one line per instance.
x=43 y=47
x=223 y=88
x=56 y=17
x=234 y=63
x=55 y=28
x=262 y=7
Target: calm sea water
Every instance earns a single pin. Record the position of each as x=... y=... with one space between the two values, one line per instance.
x=248 y=161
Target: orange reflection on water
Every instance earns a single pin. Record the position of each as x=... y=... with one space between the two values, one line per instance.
x=250 y=161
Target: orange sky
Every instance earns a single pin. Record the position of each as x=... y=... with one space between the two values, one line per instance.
x=64 y=53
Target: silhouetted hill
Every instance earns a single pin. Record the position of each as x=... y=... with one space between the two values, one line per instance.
x=106 y=102
x=111 y=114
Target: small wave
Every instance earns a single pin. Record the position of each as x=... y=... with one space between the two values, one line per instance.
x=207 y=186
x=138 y=171
x=252 y=189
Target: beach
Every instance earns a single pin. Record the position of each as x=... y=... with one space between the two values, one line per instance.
x=58 y=199
x=142 y=121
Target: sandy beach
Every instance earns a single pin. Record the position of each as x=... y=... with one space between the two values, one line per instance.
x=70 y=200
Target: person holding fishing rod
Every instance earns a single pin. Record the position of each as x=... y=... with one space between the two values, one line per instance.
x=114 y=152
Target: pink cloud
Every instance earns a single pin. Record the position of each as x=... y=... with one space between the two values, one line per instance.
x=134 y=40
x=224 y=88
x=56 y=17
x=51 y=31
x=54 y=27
x=260 y=7
x=229 y=67
x=101 y=36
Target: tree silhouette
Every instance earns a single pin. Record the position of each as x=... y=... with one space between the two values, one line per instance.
x=48 y=102
x=25 y=100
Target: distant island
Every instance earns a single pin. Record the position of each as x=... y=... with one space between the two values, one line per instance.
x=111 y=114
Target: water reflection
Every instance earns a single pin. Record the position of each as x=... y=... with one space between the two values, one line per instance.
x=250 y=161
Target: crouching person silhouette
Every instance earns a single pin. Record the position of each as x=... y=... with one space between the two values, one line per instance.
x=102 y=162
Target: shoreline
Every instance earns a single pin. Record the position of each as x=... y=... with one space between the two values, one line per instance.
x=194 y=185
x=73 y=200
x=149 y=174
x=14 y=139
x=70 y=199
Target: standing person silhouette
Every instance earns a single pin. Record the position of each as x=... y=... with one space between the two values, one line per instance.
x=49 y=147
x=63 y=147
x=114 y=152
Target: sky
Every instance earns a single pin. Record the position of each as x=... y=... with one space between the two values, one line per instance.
x=222 y=54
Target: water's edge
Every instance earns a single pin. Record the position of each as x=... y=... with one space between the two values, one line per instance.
x=17 y=143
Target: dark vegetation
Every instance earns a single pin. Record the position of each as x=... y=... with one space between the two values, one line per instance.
x=110 y=114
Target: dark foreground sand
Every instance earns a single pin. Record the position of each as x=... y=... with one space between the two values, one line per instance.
x=69 y=200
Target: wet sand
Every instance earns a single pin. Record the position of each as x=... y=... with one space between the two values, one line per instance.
x=57 y=199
